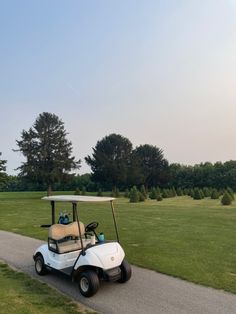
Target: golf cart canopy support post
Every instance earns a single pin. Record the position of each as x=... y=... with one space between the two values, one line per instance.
x=77 y=218
x=114 y=219
x=53 y=212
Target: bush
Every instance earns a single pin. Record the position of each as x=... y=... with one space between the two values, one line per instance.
x=165 y=193
x=198 y=194
x=226 y=199
x=115 y=192
x=134 y=195
x=143 y=192
x=206 y=192
x=141 y=197
x=77 y=192
x=159 y=197
x=83 y=192
x=153 y=194
x=214 y=194
x=99 y=193
x=126 y=193
x=173 y=192
x=231 y=193
x=179 y=192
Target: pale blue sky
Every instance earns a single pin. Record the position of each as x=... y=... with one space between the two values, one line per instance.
x=158 y=72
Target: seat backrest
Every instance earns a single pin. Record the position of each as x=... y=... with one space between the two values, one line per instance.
x=58 y=231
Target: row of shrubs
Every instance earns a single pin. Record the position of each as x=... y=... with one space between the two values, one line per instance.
x=227 y=195
x=140 y=195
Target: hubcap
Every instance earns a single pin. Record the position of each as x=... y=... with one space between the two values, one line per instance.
x=38 y=265
x=84 y=284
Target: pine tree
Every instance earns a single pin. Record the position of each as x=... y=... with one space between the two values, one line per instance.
x=159 y=197
x=134 y=195
x=47 y=152
x=77 y=191
x=179 y=192
x=231 y=193
x=165 y=193
x=226 y=199
x=99 y=193
x=141 y=197
x=83 y=192
x=214 y=194
x=126 y=193
x=3 y=175
x=173 y=192
x=198 y=195
x=143 y=192
x=153 y=194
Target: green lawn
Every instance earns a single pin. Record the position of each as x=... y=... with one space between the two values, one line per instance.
x=23 y=295
x=193 y=240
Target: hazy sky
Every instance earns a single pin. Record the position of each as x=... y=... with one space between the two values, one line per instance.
x=157 y=72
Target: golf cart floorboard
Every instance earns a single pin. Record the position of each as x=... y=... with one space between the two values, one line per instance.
x=67 y=271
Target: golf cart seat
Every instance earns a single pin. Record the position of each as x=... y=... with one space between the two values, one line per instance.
x=65 y=238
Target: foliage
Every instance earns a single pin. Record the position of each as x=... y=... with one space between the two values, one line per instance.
x=134 y=195
x=99 y=193
x=83 y=191
x=143 y=192
x=226 y=199
x=165 y=193
x=77 y=192
x=214 y=194
x=179 y=192
x=115 y=192
x=47 y=151
x=151 y=169
x=3 y=175
x=126 y=193
x=231 y=193
x=153 y=194
x=198 y=194
x=142 y=197
x=110 y=161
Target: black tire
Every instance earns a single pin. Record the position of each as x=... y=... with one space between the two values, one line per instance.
x=39 y=265
x=126 y=271
x=88 y=283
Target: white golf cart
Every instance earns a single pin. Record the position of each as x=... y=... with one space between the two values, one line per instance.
x=79 y=252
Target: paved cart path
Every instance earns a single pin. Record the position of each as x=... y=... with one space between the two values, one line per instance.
x=147 y=292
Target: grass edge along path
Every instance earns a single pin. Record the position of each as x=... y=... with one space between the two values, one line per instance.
x=20 y=293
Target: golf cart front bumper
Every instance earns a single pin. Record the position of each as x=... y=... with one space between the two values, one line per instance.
x=113 y=274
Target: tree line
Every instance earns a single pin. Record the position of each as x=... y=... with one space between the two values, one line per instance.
x=114 y=162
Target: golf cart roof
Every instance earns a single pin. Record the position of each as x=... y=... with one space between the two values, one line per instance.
x=77 y=198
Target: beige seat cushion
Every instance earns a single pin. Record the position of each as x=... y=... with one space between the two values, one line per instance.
x=64 y=238
x=58 y=231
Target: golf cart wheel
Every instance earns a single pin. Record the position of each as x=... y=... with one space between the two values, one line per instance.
x=40 y=267
x=88 y=283
x=126 y=272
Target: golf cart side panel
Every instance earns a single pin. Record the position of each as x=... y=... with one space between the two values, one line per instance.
x=57 y=261
x=104 y=256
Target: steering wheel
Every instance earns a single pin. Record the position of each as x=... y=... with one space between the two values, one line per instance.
x=91 y=227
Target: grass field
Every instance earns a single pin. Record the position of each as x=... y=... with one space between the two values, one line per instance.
x=21 y=294
x=193 y=240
